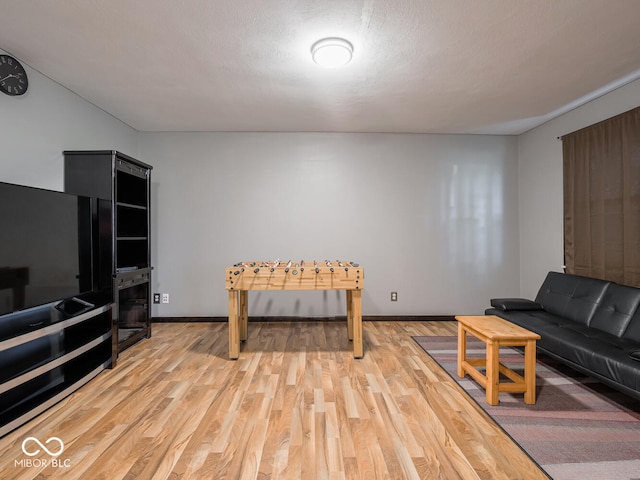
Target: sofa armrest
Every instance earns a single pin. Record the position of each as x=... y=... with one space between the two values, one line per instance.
x=515 y=304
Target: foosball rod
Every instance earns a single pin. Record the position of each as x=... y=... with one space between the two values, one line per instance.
x=275 y=264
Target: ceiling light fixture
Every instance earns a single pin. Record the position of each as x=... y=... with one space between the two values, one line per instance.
x=332 y=52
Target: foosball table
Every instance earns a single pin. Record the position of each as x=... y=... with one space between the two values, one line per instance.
x=291 y=275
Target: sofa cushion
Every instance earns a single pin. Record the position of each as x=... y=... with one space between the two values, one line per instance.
x=632 y=332
x=616 y=308
x=616 y=364
x=601 y=353
x=604 y=355
x=538 y=321
x=571 y=296
x=569 y=344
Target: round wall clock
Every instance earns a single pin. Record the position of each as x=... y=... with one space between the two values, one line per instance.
x=13 y=78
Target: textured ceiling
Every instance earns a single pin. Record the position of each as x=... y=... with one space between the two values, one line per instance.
x=435 y=66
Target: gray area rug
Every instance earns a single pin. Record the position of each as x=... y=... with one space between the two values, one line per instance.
x=578 y=429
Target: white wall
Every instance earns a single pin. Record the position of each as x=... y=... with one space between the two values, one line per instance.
x=433 y=217
x=38 y=126
x=540 y=185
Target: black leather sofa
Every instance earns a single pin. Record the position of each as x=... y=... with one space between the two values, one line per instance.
x=589 y=324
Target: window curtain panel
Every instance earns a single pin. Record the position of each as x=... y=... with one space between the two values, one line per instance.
x=601 y=167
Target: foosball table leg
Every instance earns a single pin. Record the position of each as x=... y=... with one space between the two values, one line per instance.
x=349 y=315
x=234 y=327
x=244 y=315
x=356 y=302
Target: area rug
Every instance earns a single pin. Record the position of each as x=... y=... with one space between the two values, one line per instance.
x=578 y=428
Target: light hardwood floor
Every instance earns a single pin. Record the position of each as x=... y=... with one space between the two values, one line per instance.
x=295 y=405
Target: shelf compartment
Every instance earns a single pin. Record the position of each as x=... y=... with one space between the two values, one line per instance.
x=52 y=363
x=131 y=221
x=133 y=306
x=131 y=189
x=132 y=252
x=52 y=328
x=32 y=397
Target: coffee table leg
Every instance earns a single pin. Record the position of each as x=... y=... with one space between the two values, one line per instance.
x=462 y=348
x=493 y=372
x=530 y=372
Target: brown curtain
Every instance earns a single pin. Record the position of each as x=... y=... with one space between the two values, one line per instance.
x=602 y=199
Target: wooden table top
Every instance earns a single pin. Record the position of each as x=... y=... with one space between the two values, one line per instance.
x=295 y=275
x=496 y=328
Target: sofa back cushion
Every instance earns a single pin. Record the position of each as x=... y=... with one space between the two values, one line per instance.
x=632 y=332
x=616 y=308
x=571 y=296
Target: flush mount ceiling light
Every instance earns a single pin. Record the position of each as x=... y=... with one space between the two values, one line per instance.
x=332 y=52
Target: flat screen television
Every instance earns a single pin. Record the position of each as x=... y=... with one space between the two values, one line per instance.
x=45 y=247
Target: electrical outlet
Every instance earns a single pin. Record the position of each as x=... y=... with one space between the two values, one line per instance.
x=394 y=296
x=165 y=298
x=156 y=298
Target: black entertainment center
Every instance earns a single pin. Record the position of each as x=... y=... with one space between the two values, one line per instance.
x=55 y=298
x=75 y=279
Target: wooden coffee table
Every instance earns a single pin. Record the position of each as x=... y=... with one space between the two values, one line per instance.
x=496 y=332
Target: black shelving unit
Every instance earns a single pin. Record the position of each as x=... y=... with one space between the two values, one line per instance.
x=125 y=181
